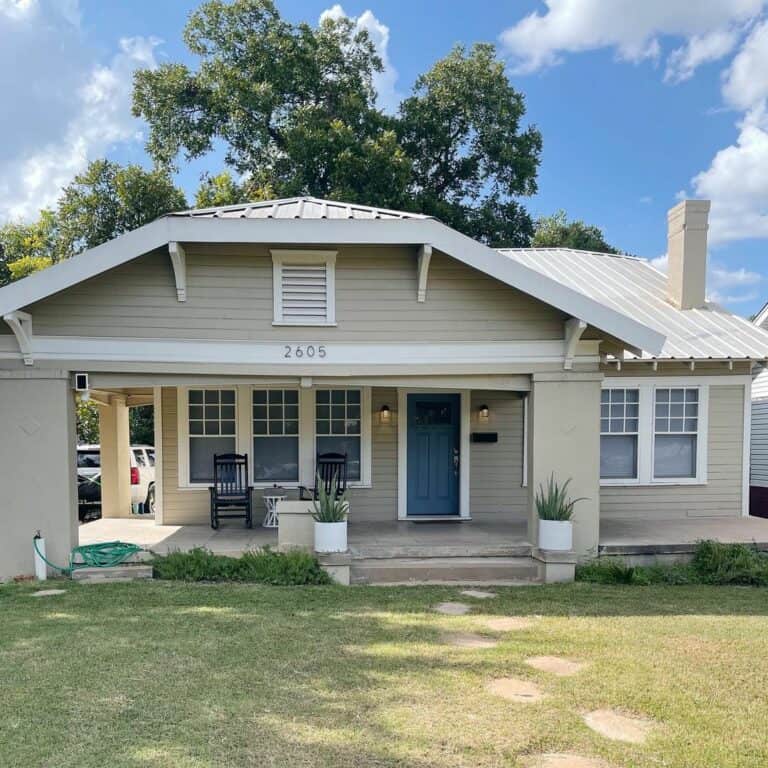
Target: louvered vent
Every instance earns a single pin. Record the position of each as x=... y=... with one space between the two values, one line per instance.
x=304 y=289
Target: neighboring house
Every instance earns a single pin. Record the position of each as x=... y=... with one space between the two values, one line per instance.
x=758 y=482
x=457 y=378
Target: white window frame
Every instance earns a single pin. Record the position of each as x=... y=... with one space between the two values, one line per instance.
x=297 y=257
x=183 y=429
x=244 y=431
x=625 y=480
x=302 y=396
x=646 y=437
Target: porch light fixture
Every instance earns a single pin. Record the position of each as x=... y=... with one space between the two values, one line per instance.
x=483 y=413
x=385 y=414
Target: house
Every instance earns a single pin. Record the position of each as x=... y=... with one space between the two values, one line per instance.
x=758 y=482
x=457 y=378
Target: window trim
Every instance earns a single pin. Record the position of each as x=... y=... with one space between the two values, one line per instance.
x=302 y=256
x=646 y=429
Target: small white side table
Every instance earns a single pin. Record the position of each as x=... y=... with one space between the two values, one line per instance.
x=271 y=497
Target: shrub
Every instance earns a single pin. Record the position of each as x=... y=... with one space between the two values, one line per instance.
x=263 y=567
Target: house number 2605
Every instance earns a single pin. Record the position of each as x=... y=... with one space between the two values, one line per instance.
x=304 y=350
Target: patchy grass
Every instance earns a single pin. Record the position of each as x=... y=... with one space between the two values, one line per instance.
x=169 y=674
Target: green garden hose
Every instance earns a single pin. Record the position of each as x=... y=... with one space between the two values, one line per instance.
x=107 y=554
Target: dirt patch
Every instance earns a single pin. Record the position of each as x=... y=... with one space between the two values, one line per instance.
x=555 y=665
x=49 y=592
x=507 y=623
x=617 y=726
x=563 y=760
x=478 y=594
x=521 y=691
x=453 y=609
x=468 y=640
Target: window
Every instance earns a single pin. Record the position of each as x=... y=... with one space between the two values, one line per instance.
x=141 y=460
x=151 y=456
x=676 y=427
x=304 y=287
x=212 y=430
x=275 y=435
x=338 y=426
x=619 y=423
x=88 y=459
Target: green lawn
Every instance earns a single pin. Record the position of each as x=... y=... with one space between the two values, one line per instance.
x=165 y=674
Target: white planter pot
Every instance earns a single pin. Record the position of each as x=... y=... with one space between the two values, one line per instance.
x=556 y=535
x=331 y=537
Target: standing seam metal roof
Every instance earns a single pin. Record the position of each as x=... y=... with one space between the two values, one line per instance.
x=631 y=285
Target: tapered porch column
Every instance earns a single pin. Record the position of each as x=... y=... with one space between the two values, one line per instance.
x=564 y=439
x=115 y=458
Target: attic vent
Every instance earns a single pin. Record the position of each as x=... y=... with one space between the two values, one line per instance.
x=304 y=287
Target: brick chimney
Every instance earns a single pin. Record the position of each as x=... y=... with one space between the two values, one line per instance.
x=687 y=253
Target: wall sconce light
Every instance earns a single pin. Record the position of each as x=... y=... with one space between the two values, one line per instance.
x=385 y=414
x=483 y=413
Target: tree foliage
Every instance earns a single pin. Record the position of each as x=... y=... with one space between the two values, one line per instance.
x=557 y=232
x=296 y=109
x=219 y=190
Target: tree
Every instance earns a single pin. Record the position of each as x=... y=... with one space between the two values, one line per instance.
x=141 y=419
x=87 y=423
x=107 y=200
x=27 y=248
x=220 y=190
x=296 y=108
x=557 y=232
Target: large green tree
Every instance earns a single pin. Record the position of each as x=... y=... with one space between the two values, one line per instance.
x=557 y=232
x=296 y=110
x=27 y=248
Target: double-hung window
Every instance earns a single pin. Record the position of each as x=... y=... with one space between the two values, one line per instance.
x=276 y=435
x=212 y=429
x=676 y=429
x=338 y=426
x=619 y=427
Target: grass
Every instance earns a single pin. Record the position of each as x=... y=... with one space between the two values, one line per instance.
x=201 y=675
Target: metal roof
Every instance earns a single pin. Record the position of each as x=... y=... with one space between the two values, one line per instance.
x=631 y=285
x=298 y=208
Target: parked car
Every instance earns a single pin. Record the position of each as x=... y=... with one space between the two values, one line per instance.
x=142 y=471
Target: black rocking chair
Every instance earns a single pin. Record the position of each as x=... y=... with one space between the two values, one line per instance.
x=329 y=466
x=230 y=492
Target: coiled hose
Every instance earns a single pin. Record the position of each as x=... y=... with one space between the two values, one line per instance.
x=106 y=554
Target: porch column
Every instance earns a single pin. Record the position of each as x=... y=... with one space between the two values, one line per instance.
x=564 y=439
x=37 y=457
x=115 y=458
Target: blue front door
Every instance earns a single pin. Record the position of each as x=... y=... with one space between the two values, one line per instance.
x=433 y=454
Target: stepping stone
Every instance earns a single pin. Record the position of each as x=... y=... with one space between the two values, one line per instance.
x=521 y=691
x=555 y=664
x=478 y=594
x=48 y=592
x=563 y=760
x=453 y=609
x=614 y=725
x=468 y=640
x=507 y=624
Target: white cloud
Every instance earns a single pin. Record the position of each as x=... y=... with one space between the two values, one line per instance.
x=634 y=29
x=385 y=82
x=746 y=80
x=62 y=108
x=724 y=286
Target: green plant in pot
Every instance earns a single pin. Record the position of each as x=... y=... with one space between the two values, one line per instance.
x=555 y=510
x=330 y=514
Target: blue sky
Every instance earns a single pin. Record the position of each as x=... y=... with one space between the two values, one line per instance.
x=637 y=103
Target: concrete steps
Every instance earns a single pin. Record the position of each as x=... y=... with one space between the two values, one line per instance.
x=125 y=572
x=476 y=570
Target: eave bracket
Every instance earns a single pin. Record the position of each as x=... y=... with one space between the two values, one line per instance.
x=425 y=256
x=574 y=328
x=21 y=325
x=179 y=263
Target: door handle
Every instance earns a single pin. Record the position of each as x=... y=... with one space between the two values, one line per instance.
x=456 y=461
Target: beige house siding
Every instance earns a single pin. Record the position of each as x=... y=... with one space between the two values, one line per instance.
x=229 y=297
x=721 y=496
x=496 y=469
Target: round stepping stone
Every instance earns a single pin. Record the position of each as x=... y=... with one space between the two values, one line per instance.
x=614 y=725
x=564 y=760
x=468 y=640
x=48 y=592
x=522 y=691
x=453 y=609
x=478 y=594
x=556 y=665
x=507 y=624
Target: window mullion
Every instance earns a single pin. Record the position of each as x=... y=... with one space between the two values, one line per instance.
x=645 y=436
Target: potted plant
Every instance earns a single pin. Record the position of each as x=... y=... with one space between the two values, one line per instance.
x=330 y=517
x=555 y=510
